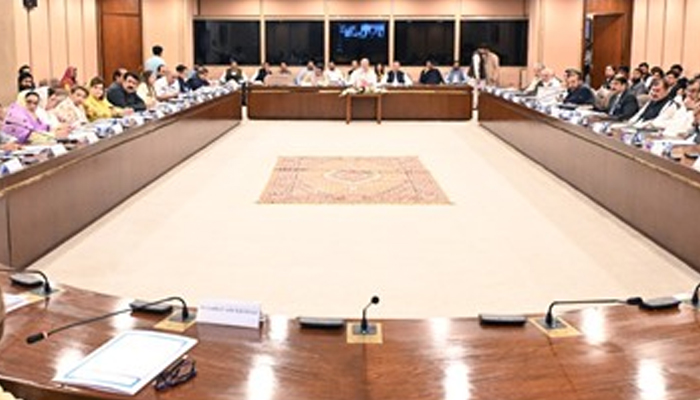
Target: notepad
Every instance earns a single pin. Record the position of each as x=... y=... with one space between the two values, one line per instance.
x=126 y=363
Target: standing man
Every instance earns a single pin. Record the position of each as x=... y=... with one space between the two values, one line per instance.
x=156 y=60
x=485 y=66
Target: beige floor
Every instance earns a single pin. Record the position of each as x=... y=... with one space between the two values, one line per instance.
x=515 y=239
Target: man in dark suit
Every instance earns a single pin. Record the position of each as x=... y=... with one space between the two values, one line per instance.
x=431 y=75
x=622 y=105
x=576 y=91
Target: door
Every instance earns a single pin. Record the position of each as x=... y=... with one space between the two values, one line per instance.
x=607 y=45
x=120 y=36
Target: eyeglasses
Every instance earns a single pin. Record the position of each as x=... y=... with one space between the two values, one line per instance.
x=179 y=373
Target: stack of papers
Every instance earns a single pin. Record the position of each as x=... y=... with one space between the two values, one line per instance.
x=128 y=362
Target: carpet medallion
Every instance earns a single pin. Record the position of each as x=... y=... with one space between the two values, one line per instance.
x=352 y=180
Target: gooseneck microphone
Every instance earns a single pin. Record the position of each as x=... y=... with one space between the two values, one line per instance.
x=364 y=324
x=19 y=277
x=696 y=298
x=549 y=318
x=39 y=336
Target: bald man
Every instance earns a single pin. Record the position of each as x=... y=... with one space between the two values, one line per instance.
x=364 y=76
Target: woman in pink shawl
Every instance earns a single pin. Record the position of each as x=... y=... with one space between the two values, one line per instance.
x=21 y=121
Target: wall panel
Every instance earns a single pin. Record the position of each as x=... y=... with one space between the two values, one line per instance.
x=58 y=50
x=499 y=8
x=228 y=8
x=673 y=34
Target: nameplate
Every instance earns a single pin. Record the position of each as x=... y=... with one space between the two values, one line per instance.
x=231 y=313
x=12 y=166
x=696 y=165
x=91 y=138
x=117 y=128
x=58 y=150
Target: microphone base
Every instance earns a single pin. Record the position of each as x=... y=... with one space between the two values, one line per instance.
x=558 y=329
x=175 y=323
x=371 y=335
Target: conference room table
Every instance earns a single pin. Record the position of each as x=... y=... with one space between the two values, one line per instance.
x=46 y=203
x=622 y=353
x=419 y=103
x=658 y=196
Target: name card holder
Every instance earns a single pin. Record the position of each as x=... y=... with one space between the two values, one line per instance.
x=230 y=313
x=58 y=150
x=11 y=166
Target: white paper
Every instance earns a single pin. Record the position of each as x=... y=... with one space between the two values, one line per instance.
x=231 y=313
x=128 y=362
x=58 y=150
x=16 y=301
x=92 y=138
x=696 y=165
x=13 y=165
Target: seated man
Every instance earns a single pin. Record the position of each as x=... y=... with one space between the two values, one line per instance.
x=334 y=75
x=284 y=69
x=364 y=76
x=396 y=77
x=201 y=78
x=549 y=87
x=354 y=65
x=167 y=87
x=659 y=111
x=182 y=76
x=531 y=89
x=683 y=119
x=456 y=76
x=234 y=73
x=262 y=73
x=577 y=92
x=305 y=73
x=124 y=95
x=623 y=104
x=430 y=75
x=637 y=86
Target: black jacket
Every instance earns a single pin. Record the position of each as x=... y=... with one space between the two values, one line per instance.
x=431 y=77
x=121 y=98
x=623 y=106
x=580 y=96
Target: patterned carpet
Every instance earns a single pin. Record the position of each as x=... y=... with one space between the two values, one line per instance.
x=352 y=180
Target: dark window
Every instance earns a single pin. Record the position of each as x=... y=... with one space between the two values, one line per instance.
x=294 y=42
x=217 y=42
x=508 y=39
x=419 y=41
x=353 y=40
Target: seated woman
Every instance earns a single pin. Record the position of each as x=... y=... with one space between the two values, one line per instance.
x=97 y=106
x=70 y=78
x=146 y=91
x=22 y=126
x=25 y=81
x=70 y=111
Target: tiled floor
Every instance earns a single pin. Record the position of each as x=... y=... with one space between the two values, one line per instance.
x=515 y=238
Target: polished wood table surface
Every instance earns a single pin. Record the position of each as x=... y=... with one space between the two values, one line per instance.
x=437 y=103
x=657 y=196
x=622 y=353
x=351 y=99
x=47 y=203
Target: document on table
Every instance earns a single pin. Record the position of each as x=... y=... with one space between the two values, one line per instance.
x=126 y=363
x=16 y=301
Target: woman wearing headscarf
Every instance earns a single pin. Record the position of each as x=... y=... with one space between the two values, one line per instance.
x=97 y=106
x=21 y=123
x=70 y=78
x=70 y=111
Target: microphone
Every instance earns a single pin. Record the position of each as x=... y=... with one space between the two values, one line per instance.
x=550 y=322
x=696 y=298
x=364 y=324
x=39 y=336
x=21 y=278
